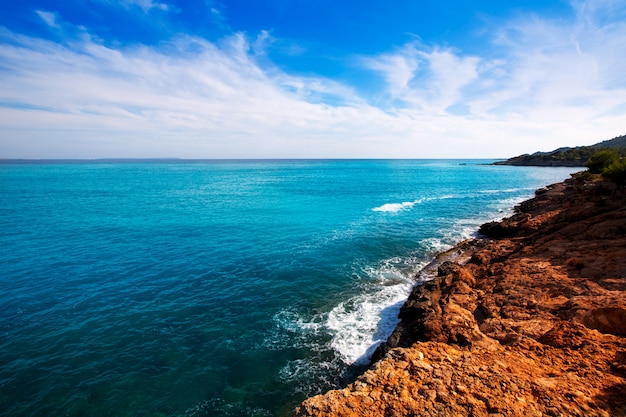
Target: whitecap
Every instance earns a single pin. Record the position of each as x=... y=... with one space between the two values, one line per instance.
x=396 y=207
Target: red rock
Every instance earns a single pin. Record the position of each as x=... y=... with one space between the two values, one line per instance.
x=533 y=324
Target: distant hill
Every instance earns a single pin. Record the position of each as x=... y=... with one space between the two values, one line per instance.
x=565 y=157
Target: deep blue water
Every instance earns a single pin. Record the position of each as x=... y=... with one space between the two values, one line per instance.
x=218 y=288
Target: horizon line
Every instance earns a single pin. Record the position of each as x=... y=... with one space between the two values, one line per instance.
x=173 y=159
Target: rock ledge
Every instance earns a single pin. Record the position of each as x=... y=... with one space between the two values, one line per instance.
x=530 y=321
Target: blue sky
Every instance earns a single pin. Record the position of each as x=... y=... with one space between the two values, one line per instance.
x=309 y=79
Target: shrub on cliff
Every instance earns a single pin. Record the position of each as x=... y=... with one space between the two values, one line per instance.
x=610 y=163
x=601 y=160
x=616 y=171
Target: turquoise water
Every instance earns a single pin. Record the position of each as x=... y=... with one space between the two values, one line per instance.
x=218 y=288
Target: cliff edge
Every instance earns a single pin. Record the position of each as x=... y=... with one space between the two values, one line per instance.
x=529 y=320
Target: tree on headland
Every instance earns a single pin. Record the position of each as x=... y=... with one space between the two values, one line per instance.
x=601 y=160
x=610 y=163
x=616 y=171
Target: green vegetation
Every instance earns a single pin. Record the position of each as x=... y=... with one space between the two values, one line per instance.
x=580 y=154
x=616 y=171
x=611 y=163
x=601 y=160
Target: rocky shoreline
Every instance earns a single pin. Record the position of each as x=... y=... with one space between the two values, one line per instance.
x=528 y=320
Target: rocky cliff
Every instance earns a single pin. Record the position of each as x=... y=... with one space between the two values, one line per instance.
x=529 y=320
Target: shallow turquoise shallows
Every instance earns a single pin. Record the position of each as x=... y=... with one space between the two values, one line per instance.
x=218 y=288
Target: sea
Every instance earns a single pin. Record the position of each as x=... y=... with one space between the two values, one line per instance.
x=219 y=288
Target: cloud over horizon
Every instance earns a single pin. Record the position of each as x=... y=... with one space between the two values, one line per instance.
x=537 y=84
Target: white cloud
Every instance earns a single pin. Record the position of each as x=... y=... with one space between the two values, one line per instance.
x=543 y=84
x=560 y=70
x=397 y=69
x=146 y=5
x=197 y=99
x=560 y=78
x=49 y=18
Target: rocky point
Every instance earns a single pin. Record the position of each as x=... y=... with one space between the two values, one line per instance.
x=527 y=320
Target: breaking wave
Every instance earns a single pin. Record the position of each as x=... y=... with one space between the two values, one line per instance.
x=396 y=207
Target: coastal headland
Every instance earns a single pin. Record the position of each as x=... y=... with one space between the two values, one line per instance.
x=527 y=320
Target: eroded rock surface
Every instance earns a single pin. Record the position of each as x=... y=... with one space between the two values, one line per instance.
x=534 y=324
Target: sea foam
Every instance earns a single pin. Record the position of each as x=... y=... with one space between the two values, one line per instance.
x=362 y=323
x=395 y=207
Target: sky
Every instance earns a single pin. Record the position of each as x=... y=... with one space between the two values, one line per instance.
x=309 y=78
